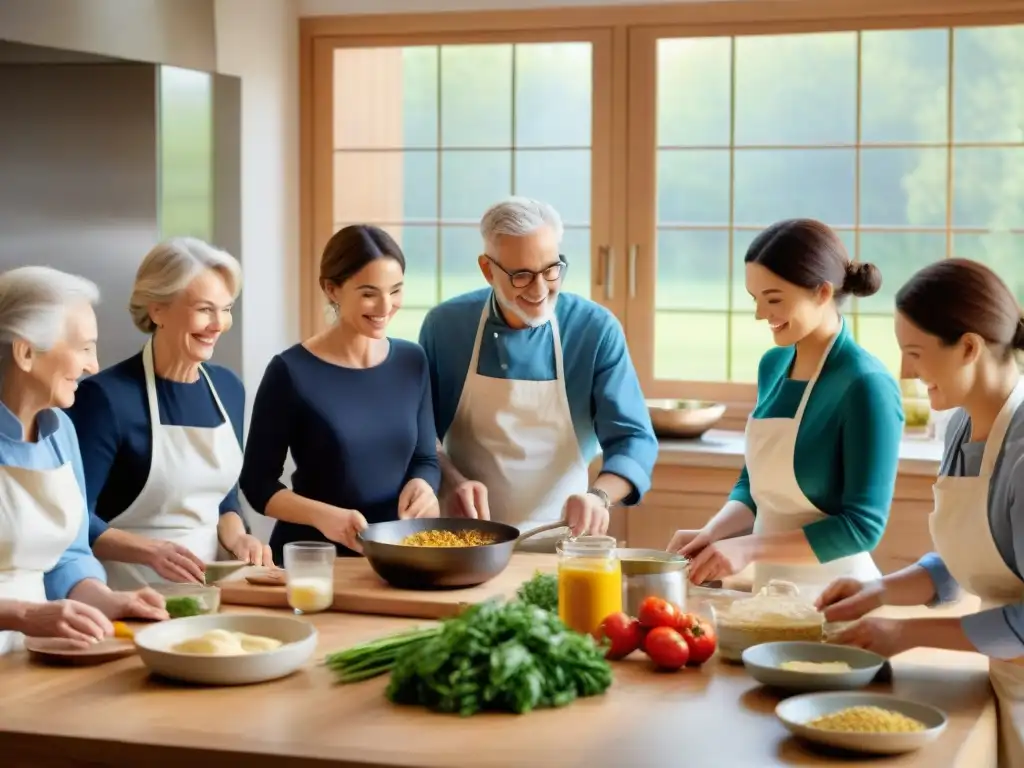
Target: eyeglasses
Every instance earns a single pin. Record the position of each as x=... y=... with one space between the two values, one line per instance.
x=525 y=277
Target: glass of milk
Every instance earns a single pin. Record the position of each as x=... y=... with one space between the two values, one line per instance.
x=310 y=571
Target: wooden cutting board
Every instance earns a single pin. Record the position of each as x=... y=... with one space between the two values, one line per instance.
x=358 y=589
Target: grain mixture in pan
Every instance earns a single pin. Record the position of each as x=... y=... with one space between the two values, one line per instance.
x=467 y=538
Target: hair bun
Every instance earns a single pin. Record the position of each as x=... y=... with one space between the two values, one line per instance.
x=862 y=279
x=1018 y=336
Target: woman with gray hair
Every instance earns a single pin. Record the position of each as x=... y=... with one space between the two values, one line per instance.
x=161 y=431
x=50 y=583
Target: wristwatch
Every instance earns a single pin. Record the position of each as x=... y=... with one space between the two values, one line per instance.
x=601 y=495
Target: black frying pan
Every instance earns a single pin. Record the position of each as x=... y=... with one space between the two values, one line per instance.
x=407 y=567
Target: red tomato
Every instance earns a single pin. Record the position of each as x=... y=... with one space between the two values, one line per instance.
x=667 y=648
x=700 y=639
x=655 y=612
x=624 y=634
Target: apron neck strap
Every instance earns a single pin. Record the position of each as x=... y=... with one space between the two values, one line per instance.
x=474 y=359
x=994 y=442
x=817 y=372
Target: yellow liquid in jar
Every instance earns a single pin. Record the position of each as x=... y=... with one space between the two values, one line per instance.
x=589 y=590
x=310 y=595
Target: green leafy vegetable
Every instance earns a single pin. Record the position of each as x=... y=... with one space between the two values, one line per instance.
x=512 y=657
x=541 y=590
x=361 y=662
x=179 y=607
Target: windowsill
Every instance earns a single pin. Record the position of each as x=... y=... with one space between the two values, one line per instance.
x=723 y=449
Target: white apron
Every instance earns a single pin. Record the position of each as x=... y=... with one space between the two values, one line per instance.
x=770 y=455
x=517 y=438
x=191 y=471
x=41 y=513
x=962 y=534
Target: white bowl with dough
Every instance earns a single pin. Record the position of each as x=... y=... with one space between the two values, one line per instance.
x=298 y=638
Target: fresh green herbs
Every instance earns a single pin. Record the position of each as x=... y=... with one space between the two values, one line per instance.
x=541 y=590
x=179 y=607
x=512 y=657
x=377 y=657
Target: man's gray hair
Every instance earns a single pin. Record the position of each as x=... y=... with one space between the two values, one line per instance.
x=517 y=217
x=168 y=269
x=33 y=306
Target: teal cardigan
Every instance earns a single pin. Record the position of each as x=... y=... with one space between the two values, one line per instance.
x=847 y=447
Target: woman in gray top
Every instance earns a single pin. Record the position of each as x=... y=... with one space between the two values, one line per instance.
x=958 y=327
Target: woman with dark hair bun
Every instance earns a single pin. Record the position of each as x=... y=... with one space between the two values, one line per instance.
x=822 y=444
x=959 y=327
x=351 y=405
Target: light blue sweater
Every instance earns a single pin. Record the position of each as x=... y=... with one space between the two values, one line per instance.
x=607 y=406
x=57 y=445
x=997 y=632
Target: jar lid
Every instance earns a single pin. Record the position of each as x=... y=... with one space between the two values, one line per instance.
x=587 y=544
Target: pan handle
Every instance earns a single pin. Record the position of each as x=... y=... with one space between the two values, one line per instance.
x=542 y=529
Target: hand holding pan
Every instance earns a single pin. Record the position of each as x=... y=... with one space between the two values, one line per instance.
x=411 y=567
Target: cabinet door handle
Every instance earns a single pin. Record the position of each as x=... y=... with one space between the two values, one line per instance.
x=609 y=273
x=632 y=270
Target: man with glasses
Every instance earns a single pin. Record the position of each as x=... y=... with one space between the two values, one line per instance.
x=529 y=383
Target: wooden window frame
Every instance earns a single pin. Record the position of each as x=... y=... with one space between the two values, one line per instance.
x=624 y=38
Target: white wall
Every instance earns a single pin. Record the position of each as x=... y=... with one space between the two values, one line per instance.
x=340 y=7
x=258 y=40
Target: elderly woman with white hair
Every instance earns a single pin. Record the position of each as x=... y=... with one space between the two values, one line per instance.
x=161 y=432
x=50 y=583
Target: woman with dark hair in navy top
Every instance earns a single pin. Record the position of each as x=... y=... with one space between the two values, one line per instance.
x=352 y=405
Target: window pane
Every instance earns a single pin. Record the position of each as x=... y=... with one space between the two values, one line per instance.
x=476 y=96
x=472 y=181
x=406 y=324
x=785 y=183
x=693 y=187
x=390 y=102
x=560 y=177
x=988 y=70
x=690 y=345
x=750 y=340
x=988 y=188
x=898 y=256
x=385 y=186
x=460 y=271
x=186 y=153
x=903 y=187
x=576 y=249
x=1002 y=251
x=741 y=243
x=904 y=79
x=693 y=91
x=876 y=335
x=693 y=270
x=553 y=94
x=796 y=89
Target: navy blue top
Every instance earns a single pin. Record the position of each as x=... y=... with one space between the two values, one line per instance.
x=356 y=435
x=111 y=415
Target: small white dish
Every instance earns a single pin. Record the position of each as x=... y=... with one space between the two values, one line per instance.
x=763 y=663
x=795 y=712
x=299 y=638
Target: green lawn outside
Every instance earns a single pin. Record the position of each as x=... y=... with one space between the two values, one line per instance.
x=688 y=345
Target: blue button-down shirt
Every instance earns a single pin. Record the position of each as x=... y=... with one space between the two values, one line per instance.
x=57 y=445
x=607 y=406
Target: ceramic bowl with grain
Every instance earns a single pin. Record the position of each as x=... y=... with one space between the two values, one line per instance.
x=765 y=664
x=797 y=712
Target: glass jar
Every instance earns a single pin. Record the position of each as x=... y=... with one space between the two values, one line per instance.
x=589 y=582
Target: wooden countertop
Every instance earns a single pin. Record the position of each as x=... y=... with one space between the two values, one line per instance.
x=724 y=449
x=116 y=714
